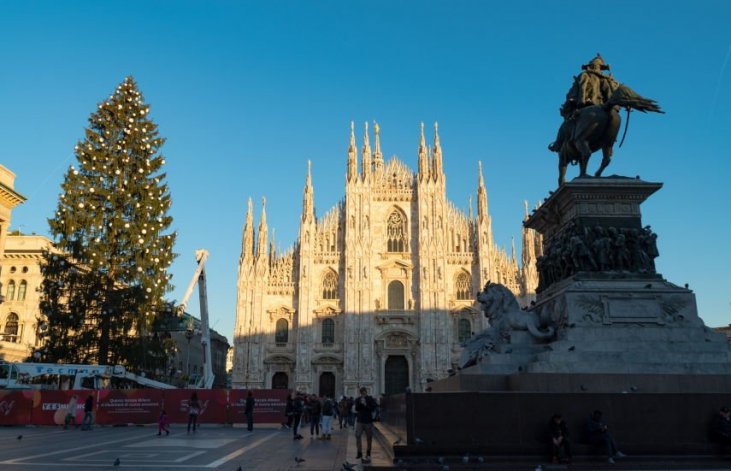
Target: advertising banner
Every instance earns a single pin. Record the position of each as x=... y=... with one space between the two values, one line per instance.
x=268 y=406
x=50 y=407
x=15 y=407
x=213 y=405
x=128 y=406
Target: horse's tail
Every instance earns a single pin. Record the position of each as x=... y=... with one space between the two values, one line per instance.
x=625 y=97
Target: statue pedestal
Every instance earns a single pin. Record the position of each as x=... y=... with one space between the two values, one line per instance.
x=612 y=313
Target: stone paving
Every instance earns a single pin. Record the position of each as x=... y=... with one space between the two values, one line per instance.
x=212 y=447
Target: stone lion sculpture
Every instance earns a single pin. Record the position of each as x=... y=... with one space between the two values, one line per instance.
x=505 y=315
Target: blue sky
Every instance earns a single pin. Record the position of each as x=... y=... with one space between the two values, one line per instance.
x=247 y=92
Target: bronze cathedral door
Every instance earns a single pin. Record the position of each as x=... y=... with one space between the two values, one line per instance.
x=396 y=374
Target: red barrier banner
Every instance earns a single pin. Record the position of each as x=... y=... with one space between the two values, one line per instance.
x=269 y=405
x=51 y=407
x=213 y=404
x=128 y=406
x=15 y=407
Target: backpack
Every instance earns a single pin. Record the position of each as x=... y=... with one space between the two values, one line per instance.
x=327 y=407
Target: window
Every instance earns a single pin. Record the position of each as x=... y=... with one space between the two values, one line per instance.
x=396 y=295
x=464 y=330
x=463 y=286
x=10 y=294
x=396 y=232
x=330 y=286
x=281 y=333
x=11 y=328
x=22 y=288
x=328 y=331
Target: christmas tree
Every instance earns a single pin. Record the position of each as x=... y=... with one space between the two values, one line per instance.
x=105 y=281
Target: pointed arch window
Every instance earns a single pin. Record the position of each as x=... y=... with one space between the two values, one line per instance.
x=330 y=286
x=464 y=330
x=10 y=294
x=463 y=286
x=10 y=333
x=396 y=232
x=22 y=288
x=328 y=331
x=281 y=332
x=396 y=295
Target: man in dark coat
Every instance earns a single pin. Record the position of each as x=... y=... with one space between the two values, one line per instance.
x=249 y=411
x=365 y=406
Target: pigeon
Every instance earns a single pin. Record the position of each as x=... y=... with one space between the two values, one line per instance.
x=239 y=469
x=440 y=460
x=20 y=437
x=466 y=458
x=348 y=467
x=418 y=441
x=117 y=462
x=398 y=441
x=480 y=459
x=583 y=388
x=298 y=460
x=572 y=348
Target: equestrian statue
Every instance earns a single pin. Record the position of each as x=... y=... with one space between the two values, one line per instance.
x=591 y=117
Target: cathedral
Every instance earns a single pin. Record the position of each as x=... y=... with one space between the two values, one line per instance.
x=378 y=292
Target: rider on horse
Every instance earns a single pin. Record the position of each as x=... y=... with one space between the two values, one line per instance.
x=590 y=87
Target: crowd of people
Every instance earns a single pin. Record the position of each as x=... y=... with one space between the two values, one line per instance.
x=320 y=413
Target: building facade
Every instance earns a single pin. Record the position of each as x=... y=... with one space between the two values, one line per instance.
x=379 y=292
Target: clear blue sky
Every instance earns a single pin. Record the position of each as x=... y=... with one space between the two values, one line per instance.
x=246 y=93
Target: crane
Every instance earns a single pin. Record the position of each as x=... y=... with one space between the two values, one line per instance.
x=199 y=276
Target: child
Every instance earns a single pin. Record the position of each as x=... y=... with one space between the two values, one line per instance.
x=162 y=424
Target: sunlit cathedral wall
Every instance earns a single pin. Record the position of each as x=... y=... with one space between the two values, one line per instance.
x=379 y=292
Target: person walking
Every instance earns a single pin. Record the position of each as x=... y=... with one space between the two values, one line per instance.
x=328 y=411
x=70 y=412
x=289 y=412
x=194 y=408
x=298 y=405
x=162 y=424
x=249 y=411
x=315 y=414
x=365 y=406
x=343 y=412
x=88 y=409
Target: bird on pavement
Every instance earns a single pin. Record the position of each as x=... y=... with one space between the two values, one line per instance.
x=298 y=460
x=418 y=441
x=466 y=458
x=117 y=462
x=348 y=467
x=20 y=437
x=398 y=441
x=239 y=469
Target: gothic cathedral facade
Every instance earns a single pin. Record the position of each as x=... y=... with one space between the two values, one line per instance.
x=380 y=291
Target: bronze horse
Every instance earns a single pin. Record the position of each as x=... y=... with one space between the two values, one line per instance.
x=596 y=127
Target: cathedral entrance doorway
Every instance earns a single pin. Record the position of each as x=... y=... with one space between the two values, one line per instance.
x=396 y=374
x=280 y=381
x=327 y=384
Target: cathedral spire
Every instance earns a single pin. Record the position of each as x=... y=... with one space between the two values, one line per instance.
x=423 y=156
x=352 y=155
x=308 y=205
x=437 y=171
x=261 y=243
x=366 y=155
x=512 y=251
x=481 y=194
x=378 y=156
x=272 y=249
x=247 y=239
x=469 y=203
